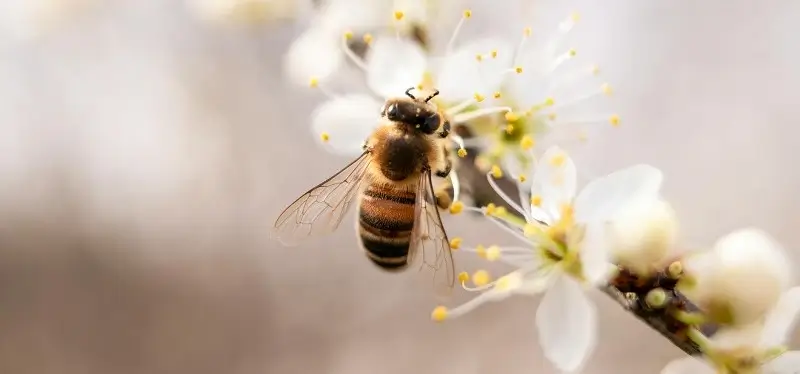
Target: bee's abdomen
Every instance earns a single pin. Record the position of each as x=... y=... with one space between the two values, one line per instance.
x=385 y=220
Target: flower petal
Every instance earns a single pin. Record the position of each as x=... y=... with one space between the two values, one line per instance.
x=567 y=324
x=314 y=54
x=787 y=363
x=595 y=252
x=603 y=198
x=687 y=365
x=460 y=75
x=554 y=180
x=780 y=321
x=394 y=65
x=347 y=121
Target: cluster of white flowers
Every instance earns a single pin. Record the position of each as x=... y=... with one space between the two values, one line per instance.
x=571 y=242
x=518 y=84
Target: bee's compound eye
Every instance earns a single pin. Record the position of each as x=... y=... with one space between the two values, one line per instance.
x=431 y=124
x=391 y=112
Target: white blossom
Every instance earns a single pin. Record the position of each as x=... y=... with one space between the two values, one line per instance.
x=740 y=279
x=756 y=348
x=644 y=237
x=392 y=65
x=566 y=249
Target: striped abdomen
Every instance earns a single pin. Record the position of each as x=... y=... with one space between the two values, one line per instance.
x=385 y=220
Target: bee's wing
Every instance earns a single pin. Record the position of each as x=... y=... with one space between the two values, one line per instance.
x=321 y=209
x=429 y=238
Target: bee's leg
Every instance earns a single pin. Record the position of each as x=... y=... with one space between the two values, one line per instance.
x=448 y=164
x=444 y=195
x=445 y=129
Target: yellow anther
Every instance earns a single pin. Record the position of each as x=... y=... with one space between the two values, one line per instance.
x=493 y=253
x=420 y=87
x=368 y=38
x=614 y=120
x=552 y=116
x=518 y=69
x=494 y=53
x=500 y=211
x=439 y=313
x=594 y=69
x=606 y=88
x=511 y=116
x=479 y=57
x=462 y=152
x=478 y=97
x=481 y=278
x=531 y=230
x=549 y=101
x=509 y=129
x=463 y=277
x=490 y=209
x=480 y=251
x=496 y=94
x=575 y=17
x=572 y=52
x=527 y=31
x=536 y=200
x=558 y=160
x=398 y=15
x=313 y=82
x=325 y=137
x=455 y=243
x=467 y=13
x=348 y=35
x=527 y=142
x=456 y=207
x=522 y=178
x=497 y=173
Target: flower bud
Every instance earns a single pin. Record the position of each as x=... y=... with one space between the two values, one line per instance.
x=643 y=235
x=741 y=279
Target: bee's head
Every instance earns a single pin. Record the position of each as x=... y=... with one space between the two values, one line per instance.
x=417 y=113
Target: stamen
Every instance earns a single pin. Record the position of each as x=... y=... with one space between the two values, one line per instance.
x=613 y=120
x=358 y=61
x=465 y=16
x=564 y=28
x=502 y=224
x=455 y=243
x=454 y=182
x=456 y=207
x=526 y=33
x=569 y=79
x=513 y=204
x=464 y=117
x=559 y=61
x=314 y=83
x=325 y=137
x=604 y=89
x=460 y=107
x=462 y=151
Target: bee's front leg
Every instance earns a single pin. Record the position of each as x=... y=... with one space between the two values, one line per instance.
x=447 y=166
x=445 y=130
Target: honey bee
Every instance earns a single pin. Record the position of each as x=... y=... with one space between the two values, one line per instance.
x=398 y=215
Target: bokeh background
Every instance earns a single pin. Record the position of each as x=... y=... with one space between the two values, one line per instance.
x=145 y=152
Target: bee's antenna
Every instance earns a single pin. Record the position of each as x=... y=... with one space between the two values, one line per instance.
x=408 y=93
x=432 y=96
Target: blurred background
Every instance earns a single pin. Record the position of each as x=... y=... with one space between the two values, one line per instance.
x=145 y=151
